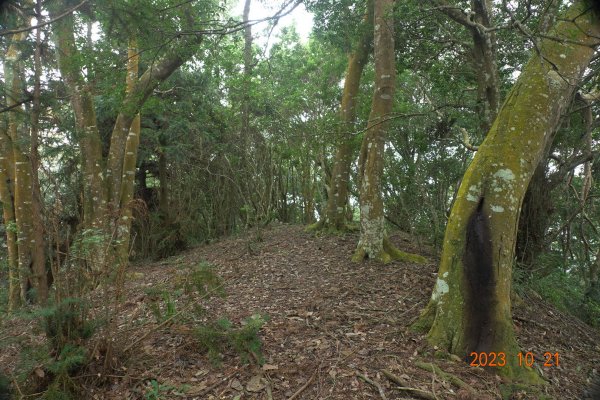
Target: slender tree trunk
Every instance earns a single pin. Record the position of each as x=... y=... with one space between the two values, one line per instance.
x=8 y=216
x=485 y=65
x=31 y=266
x=470 y=308
x=38 y=248
x=163 y=194
x=108 y=184
x=373 y=242
x=337 y=196
x=129 y=162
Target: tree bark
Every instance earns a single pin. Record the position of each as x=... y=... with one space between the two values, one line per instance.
x=337 y=198
x=470 y=308
x=373 y=242
x=29 y=236
x=129 y=162
x=8 y=216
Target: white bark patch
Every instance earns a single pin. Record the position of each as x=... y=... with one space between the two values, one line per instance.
x=385 y=96
x=441 y=288
x=473 y=193
x=497 y=209
x=505 y=174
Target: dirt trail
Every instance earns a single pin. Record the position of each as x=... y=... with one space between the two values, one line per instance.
x=331 y=324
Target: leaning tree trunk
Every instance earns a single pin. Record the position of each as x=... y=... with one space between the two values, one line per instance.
x=470 y=308
x=373 y=242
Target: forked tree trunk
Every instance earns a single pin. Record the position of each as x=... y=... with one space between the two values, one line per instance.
x=108 y=183
x=470 y=308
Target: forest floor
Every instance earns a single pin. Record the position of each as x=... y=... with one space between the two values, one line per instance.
x=331 y=323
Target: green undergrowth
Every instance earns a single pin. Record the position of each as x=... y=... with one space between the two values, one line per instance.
x=222 y=336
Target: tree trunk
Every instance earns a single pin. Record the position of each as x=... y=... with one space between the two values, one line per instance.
x=484 y=63
x=129 y=162
x=31 y=265
x=470 y=309
x=337 y=197
x=8 y=216
x=373 y=242
x=108 y=184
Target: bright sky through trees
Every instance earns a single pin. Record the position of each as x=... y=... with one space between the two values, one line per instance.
x=302 y=19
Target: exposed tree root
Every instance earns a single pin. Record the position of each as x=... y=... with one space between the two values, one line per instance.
x=323 y=226
x=453 y=379
x=388 y=254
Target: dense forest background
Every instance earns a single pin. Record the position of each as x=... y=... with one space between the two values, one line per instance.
x=131 y=131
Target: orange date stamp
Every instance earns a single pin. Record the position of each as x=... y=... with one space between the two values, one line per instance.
x=493 y=359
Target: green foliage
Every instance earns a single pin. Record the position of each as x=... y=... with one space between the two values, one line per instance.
x=221 y=336
x=49 y=366
x=66 y=323
x=5 y=387
x=203 y=279
x=156 y=390
x=162 y=304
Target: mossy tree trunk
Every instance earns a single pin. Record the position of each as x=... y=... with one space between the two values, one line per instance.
x=470 y=308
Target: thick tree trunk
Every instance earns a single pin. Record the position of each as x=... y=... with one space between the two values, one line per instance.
x=470 y=309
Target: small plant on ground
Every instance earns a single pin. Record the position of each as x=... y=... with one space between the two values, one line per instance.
x=221 y=336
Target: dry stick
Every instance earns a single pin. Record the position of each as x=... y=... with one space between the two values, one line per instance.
x=373 y=383
x=421 y=394
x=303 y=387
x=445 y=375
x=216 y=384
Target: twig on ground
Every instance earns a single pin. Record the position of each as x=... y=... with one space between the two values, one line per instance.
x=372 y=383
x=216 y=384
x=403 y=385
x=303 y=387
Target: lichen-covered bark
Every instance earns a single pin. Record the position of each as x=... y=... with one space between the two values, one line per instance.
x=484 y=63
x=483 y=55
x=491 y=193
x=94 y=191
